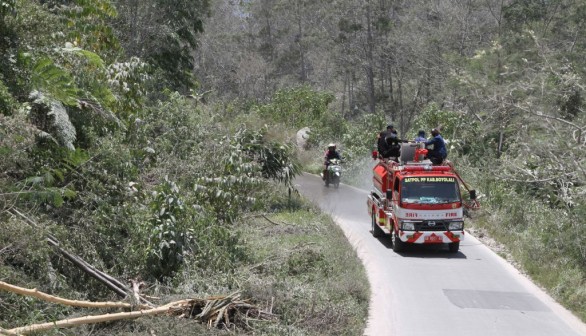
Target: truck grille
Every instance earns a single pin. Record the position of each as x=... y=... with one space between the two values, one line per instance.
x=431 y=226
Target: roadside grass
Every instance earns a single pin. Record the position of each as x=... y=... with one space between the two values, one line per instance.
x=300 y=267
x=305 y=268
x=311 y=160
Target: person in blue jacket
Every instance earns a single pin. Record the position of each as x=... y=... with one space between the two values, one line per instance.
x=438 y=152
x=421 y=136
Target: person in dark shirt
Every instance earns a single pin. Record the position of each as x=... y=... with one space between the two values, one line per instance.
x=436 y=147
x=381 y=143
x=392 y=148
x=330 y=154
x=421 y=136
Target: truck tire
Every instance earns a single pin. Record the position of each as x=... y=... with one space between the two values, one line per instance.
x=398 y=244
x=376 y=230
x=454 y=247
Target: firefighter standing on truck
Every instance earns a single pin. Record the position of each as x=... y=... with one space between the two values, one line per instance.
x=438 y=153
x=381 y=144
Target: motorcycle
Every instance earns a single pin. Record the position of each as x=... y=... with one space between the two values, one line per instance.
x=334 y=173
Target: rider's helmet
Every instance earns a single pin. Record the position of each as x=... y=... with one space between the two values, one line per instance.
x=332 y=146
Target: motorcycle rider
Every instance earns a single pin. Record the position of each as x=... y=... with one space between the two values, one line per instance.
x=331 y=153
x=438 y=153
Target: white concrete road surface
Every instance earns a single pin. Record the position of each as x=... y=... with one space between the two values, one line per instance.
x=427 y=291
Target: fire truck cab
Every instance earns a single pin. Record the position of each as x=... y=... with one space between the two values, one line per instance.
x=416 y=202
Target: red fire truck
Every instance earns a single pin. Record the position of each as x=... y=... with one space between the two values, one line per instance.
x=416 y=202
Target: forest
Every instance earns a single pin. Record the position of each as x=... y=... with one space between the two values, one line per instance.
x=155 y=141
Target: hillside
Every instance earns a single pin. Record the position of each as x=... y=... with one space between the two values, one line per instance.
x=155 y=140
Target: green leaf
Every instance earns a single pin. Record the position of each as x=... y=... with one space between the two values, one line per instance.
x=56 y=82
x=91 y=57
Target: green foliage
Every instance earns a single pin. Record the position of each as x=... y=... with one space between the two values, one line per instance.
x=164 y=34
x=360 y=138
x=7 y=102
x=85 y=93
x=359 y=142
x=462 y=133
x=169 y=238
x=521 y=12
x=174 y=126
x=48 y=182
x=305 y=273
x=128 y=81
x=89 y=24
x=246 y=161
x=86 y=146
x=17 y=138
x=297 y=107
x=6 y=6
x=48 y=77
x=433 y=116
x=276 y=160
x=27 y=263
x=304 y=107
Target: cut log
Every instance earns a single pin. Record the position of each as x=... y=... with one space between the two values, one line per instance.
x=211 y=311
x=55 y=299
x=98 y=318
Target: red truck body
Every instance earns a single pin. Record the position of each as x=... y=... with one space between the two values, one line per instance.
x=417 y=202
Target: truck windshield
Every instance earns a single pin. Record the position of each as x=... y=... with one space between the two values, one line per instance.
x=429 y=190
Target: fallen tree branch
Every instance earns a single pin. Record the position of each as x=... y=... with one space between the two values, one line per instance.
x=212 y=311
x=270 y=221
x=92 y=319
x=111 y=282
x=84 y=267
x=118 y=287
x=5 y=332
x=55 y=299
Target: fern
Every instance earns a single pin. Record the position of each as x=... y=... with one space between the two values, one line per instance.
x=93 y=58
x=55 y=81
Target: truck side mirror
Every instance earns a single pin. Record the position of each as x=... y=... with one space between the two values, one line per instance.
x=473 y=194
x=389 y=194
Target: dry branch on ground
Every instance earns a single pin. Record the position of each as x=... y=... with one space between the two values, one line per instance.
x=214 y=311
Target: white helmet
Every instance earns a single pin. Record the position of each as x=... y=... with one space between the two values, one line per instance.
x=332 y=145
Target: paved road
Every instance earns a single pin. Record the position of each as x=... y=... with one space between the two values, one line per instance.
x=427 y=291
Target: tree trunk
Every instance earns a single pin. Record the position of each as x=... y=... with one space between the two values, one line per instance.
x=369 y=64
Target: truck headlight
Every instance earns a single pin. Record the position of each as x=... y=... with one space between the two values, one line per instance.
x=408 y=226
x=456 y=226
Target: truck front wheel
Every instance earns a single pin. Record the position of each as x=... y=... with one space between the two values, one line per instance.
x=454 y=247
x=376 y=230
x=398 y=244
